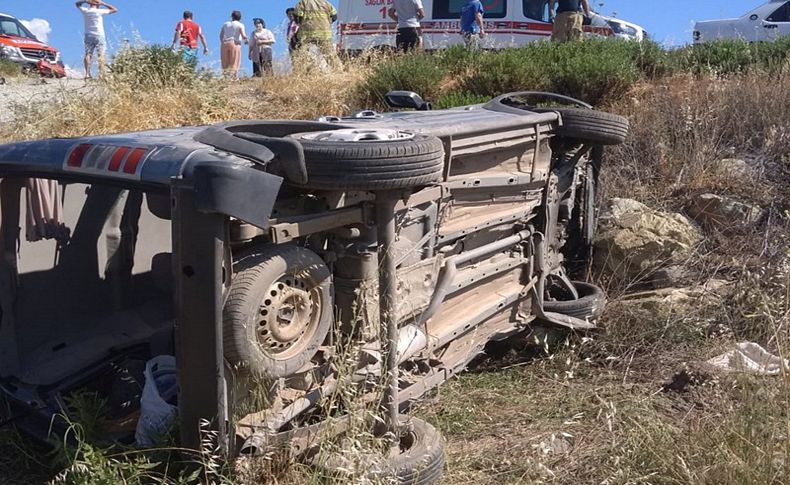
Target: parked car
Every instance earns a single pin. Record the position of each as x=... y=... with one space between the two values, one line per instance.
x=260 y=252
x=767 y=22
x=19 y=45
x=508 y=23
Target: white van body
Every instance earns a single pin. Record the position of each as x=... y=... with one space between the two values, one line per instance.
x=765 y=23
x=364 y=24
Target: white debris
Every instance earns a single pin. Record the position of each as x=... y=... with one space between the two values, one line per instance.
x=750 y=358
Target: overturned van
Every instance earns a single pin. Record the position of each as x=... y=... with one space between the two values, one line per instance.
x=259 y=252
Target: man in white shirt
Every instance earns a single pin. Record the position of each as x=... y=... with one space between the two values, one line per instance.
x=408 y=14
x=95 y=40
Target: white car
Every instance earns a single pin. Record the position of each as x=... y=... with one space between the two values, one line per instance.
x=364 y=24
x=765 y=23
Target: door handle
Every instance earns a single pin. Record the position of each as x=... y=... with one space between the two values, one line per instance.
x=769 y=26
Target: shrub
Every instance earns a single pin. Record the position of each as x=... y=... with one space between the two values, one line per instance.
x=418 y=72
x=9 y=69
x=725 y=57
x=591 y=70
x=459 y=98
x=153 y=66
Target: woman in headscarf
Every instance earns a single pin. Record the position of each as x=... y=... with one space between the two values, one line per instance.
x=261 y=49
x=230 y=37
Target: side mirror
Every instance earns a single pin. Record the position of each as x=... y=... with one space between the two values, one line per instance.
x=406 y=99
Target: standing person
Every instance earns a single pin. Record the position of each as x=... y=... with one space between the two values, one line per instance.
x=261 y=49
x=472 y=23
x=292 y=31
x=408 y=14
x=568 y=21
x=230 y=36
x=188 y=32
x=95 y=40
x=315 y=18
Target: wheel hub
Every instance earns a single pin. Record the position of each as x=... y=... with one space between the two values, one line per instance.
x=360 y=135
x=288 y=311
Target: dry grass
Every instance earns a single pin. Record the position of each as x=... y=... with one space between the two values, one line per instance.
x=592 y=410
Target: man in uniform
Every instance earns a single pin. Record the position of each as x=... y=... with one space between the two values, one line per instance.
x=315 y=18
x=568 y=21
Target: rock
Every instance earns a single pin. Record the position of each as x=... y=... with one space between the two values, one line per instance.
x=735 y=168
x=722 y=212
x=671 y=276
x=633 y=240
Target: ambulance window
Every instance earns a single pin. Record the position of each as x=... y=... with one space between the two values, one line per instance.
x=781 y=14
x=537 y=10
x=451 y=9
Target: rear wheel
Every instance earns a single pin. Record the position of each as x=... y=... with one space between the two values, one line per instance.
x=367 y=159
x=420 y=461
x=278 y=311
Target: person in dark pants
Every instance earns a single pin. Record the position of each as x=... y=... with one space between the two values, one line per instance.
x=408 y=14
x=261 y=42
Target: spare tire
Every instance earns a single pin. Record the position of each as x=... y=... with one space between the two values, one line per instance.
x=361 y=159
x=589 y=305
x=420 y=461
x=590 y=126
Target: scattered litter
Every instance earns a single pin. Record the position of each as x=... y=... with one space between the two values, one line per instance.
x=157 y=409
x=749 y=358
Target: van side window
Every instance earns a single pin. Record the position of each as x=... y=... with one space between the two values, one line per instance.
x=781 y=14
x=537 y=10
x=451 y=9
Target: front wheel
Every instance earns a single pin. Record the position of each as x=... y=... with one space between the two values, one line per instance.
x=590 y=126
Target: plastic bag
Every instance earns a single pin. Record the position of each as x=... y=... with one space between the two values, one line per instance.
x=750 y=358
x=160 y=390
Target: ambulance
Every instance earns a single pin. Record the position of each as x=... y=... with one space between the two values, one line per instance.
x=20 y=46
x=364 y=24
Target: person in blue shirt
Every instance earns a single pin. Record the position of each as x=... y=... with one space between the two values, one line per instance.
x=472 y=23
x=568 y=21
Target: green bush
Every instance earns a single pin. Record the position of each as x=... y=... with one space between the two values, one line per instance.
x=152 y=67
x=418 y=72
x=9 y=69
x=596 y=70
x=592 y=71
x=725 y=57
x=459 y=98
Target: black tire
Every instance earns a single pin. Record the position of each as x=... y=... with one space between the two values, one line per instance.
x=421 y=461
x=590 y=126
x=590 y=304
x=272 y=285
x=373 y=165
